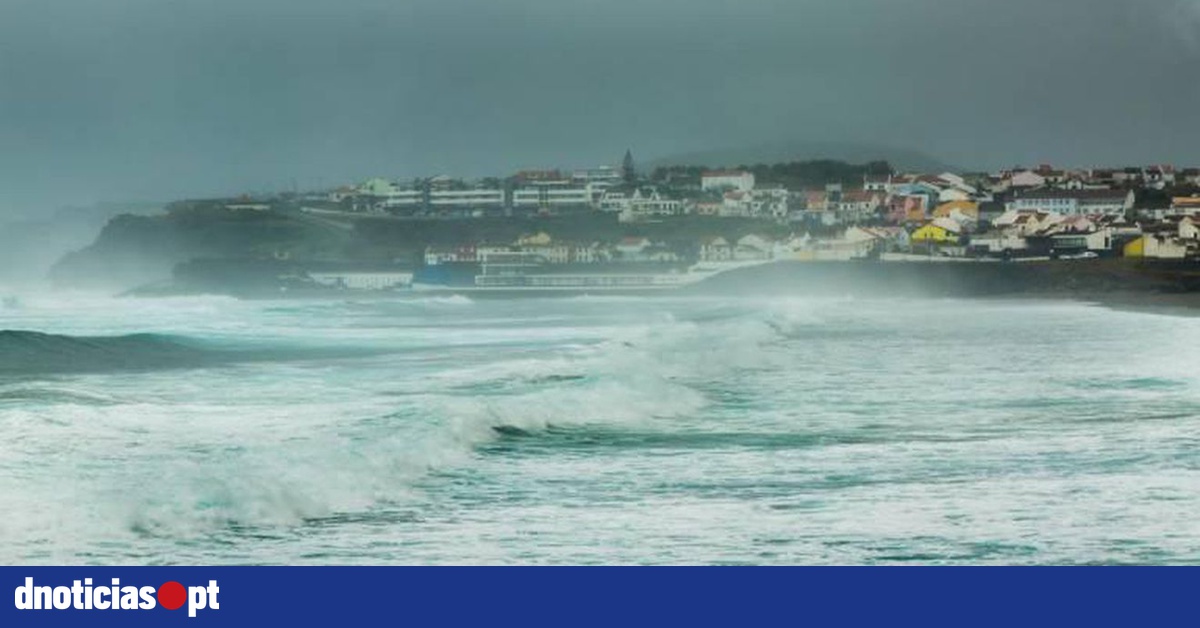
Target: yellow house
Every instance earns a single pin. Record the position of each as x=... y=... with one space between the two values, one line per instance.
x=1161 y=245
x=936 y=233
x=1136 y=248
x=540 y=238
x=966 y=208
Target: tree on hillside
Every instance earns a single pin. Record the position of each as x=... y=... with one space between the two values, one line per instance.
x=628 y=171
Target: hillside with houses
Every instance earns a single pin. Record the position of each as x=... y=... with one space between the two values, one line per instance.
x=812 y=211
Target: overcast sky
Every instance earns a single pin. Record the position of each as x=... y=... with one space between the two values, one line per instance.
x=157 y=99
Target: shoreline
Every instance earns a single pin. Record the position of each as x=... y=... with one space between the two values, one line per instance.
x=1117 y=284
x=1185 y=305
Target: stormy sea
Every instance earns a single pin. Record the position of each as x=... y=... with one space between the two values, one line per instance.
x=596 y=430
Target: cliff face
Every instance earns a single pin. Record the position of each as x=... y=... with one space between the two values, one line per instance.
x=29 y=248
x=135 y=250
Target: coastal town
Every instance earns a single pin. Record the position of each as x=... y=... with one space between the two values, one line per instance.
x=1022 y=214
x=615 y=226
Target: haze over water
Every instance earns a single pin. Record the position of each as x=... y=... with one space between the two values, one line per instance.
x=596 y=430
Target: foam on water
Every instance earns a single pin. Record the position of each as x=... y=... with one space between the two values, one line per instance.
x=610 y=430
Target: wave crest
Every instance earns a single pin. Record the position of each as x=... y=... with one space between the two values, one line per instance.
x=31 y=352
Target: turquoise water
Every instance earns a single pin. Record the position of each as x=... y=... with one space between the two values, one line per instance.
x=596 y=430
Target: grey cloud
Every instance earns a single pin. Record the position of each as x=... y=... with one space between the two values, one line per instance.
x=160 y=99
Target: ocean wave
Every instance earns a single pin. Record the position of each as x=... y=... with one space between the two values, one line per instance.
x=380 y=462
x=37 y=353
x=31 y=352
x=627 y=385
x=21 y=395
x=454 y=299
x=476 y=421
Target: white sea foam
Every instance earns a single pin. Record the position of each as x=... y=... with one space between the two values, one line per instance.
x=691 y=430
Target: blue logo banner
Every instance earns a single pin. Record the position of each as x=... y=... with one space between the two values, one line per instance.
x=609 y=596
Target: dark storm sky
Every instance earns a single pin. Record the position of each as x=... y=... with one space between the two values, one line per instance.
x=156 y=99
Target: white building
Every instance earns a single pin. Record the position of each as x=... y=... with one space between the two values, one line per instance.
x=441 y=255
x=355 y=280
x=604 y=176
x=632 y=248
x=1027 y=223
x=753 y=247
x=877 y=182
x=640 y=205
x=554 y=253
x=950 y=195
x=998 y=242
x=1082 y=241
x=772 y=202
x=376 y=187
x=554 y=196
x=1074 y=202
x=482 y=197
x=716 y=250
x=387 y=195
x=858 y=205
x=760 y=203
x=1027 y=179
x=727 y=180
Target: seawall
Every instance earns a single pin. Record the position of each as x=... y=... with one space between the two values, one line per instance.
x=1082 y=279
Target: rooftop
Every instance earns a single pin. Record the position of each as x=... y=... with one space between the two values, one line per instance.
x=1075 y=194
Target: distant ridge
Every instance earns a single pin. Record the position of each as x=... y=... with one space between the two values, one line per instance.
x=779 y=152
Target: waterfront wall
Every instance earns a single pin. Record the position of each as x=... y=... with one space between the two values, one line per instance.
x=1081 y=278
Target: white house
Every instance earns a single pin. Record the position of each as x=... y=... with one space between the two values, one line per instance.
x=950 y=195
x=1026 y=223
x=727 y=180
x=715 y=250
x=753 y=247
x=388 y=195
x=877 y=182
x=1027 y=179
x=1090 y=241
x=643 y=204
x=632 y=248
x=443 y=255
x=856 y=205
x=1189 y=228
x=999 y=241
x=1160 y=177
x=1160 y=242
x=376 y=187
x=866 y=239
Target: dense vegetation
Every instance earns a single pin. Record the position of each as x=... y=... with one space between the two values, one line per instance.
x=135 y=249
x=796 y=175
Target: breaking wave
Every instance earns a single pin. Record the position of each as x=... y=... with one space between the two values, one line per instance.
x=285 y=450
